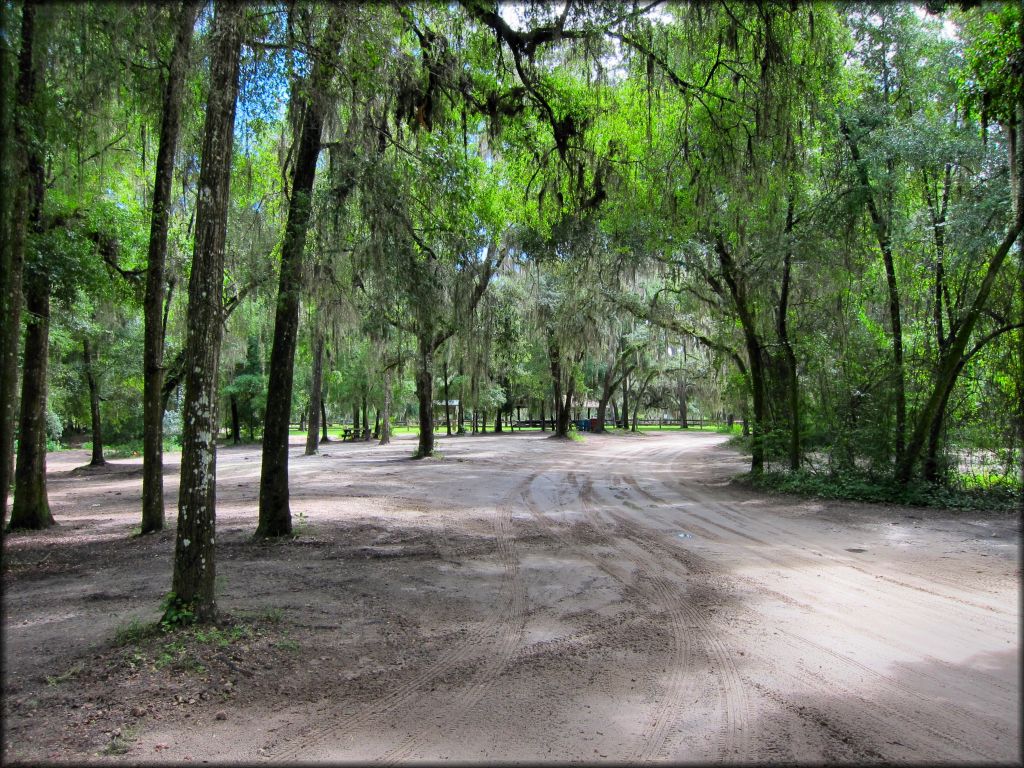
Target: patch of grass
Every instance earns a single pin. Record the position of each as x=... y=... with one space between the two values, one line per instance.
x=134 y=631
x=55 y=680
x=301 y=525
x=130 y=448
x=121 y=743
x=270 y=615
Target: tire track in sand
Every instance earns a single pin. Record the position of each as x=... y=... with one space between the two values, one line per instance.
x=509 y=636
x=734 y=732
x=651 y=588
x=505 y=622
x=959 y=725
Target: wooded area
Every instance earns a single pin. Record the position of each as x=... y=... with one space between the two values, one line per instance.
x=224 y=220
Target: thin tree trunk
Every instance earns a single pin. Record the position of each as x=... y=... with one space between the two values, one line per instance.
x=753 y=346
x=447 y=402
x=356 y=426
x=624 y=418
x=236 y=427
x=192 y=585
x=153 y=303
x=781 y=325
x=366 y=417
x=94 y=406
x=425 y=395
x=385 y=430
x=543 y=421
x=881 y=227
x=316 y=382
x=13 y=208
x=461 y=411
x=275 y=517
x=324 y=438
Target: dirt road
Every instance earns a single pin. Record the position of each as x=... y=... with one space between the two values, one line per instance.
x=521 y=599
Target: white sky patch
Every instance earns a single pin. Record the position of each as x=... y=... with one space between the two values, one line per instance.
x=949 y=31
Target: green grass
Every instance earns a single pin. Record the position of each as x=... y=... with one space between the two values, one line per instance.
x=129 y=448
x=1003 y=497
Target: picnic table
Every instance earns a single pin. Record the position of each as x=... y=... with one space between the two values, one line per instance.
x=348 y=434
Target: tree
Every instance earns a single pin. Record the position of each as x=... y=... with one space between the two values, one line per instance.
x=275 y=513
x=31 y=506
x=192 y=586
x=153 y=306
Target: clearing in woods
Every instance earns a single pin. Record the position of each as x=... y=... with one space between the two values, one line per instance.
x=520 y=599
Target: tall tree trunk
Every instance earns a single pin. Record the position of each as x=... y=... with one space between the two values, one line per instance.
x=315 y=383
x=192 y=585
x=14 y=222
x=153 y=303
x=31 y=507
x=356 y=426
x=425 y=395
x=324 y=438
x=792 y=380
x=447 y=402
x=236 y=427
x=543 y=421
x=366 y=415
x=753 y=345
x=275 y=517
x=880 y=223
x=94 y=406
x=461 y=410
x=625 y=403
x=385 y=428
x=561 y=410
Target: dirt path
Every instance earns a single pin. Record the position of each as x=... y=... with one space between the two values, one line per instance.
x=521 y=599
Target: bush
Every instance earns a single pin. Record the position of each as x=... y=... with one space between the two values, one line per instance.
x=853 y=486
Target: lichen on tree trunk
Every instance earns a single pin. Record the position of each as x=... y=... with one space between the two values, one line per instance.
x=192 y=586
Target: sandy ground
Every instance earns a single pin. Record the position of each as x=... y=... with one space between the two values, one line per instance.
x=520 y=599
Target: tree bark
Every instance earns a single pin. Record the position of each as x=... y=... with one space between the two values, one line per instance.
x=236 y=427
x=94 y=406
x=929 y=418
x=153 y=303
x=881 y=227
x=366 y=416
x=324 y=438
x=790 y=356
x=447 y=402
x=753 y=345
x=385 y=417
x=31 y=507
x=425 y=395
x=192 y=585
x=461 y=410
x=316 y=382
x=275 y=514
x=12 y=249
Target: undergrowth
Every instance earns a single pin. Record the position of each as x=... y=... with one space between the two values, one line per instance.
x=993 y=498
